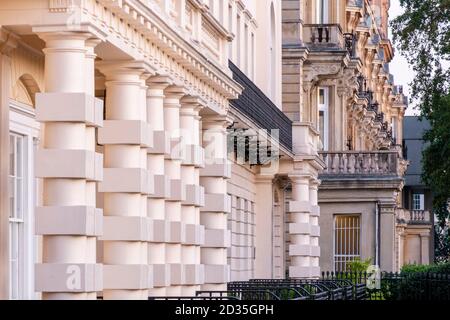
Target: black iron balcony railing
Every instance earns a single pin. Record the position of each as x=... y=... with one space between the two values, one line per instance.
x=350 y=44
x=254 y=104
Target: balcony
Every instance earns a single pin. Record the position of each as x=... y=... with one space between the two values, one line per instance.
x=355 y=164
x=413 y=216
x=323 y=37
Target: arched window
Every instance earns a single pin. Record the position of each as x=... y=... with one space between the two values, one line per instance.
x=272 y=70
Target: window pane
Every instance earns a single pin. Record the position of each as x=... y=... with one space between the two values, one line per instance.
x=11 y=189
x=19 y=156
x=11 y=155
x=19 y=199
x=321 y=96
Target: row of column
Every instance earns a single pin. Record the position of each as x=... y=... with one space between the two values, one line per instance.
x=163 y=229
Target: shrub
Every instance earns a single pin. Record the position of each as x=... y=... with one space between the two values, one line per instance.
x=410 y=269
x=359 y=265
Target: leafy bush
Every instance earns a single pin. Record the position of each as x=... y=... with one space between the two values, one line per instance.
x=359 y=265
x=410 y=269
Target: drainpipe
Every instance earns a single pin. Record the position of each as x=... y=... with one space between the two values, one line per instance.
x=377 y=234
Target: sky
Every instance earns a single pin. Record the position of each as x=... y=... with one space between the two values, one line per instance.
x=399 y=67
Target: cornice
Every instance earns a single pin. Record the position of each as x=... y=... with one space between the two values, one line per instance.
x=153 y=26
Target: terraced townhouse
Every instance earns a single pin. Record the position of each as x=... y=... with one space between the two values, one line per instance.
x=153 y=148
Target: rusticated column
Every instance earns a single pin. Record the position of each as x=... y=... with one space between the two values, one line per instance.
x=126 y=184
x=172 y=106
x=315 y=228
x=68 y=219
x=193 y=159
x=156 y=201
x=217 y=203
x=264 y=227
x=300 y=227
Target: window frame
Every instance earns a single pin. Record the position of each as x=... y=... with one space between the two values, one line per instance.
x=420 y=201
x=325 y=108
x=22 y=123
x=357 y=237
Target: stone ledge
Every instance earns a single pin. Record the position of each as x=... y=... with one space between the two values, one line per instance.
x=76 y=220
x=162 y=187
x=161 y=275
x=161 y=143
x=299 y=250
x=193 y=155
x=220 y=168
x=177 y=232
x=195 y=196
x=315 y=211
x=315 y=231
x=298 y=207
x=76 y=164
x=300 y=272
x=217 y=238
x=315 y=251
x=299 y=228
x=177 y=191
x=161 y=231
x=217 y=203
x=195 y=234
x=56 y=277
x=69 y=107
x=194 y=274
x=134 y=132
x=177 y=274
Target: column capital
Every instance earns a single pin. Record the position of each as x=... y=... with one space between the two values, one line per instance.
x=299 y=178
x=264 y=178
x=192 y=105
x=8 y=42
x=123 y=70
x=175 y=92
x=91 y=43
x=159 y=82
x=216 y=121
x=314 y=183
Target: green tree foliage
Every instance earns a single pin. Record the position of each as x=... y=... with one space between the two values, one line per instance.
x=422 y=33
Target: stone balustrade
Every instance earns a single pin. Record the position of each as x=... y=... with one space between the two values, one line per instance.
x=413 y=216
x=419 y=216
x=360 y=163
x=329 y=35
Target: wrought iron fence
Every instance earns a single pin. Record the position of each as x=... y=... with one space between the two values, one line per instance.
x=335 y=286
x=341 y=286
x=399 y=286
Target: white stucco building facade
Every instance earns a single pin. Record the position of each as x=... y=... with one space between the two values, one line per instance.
x=154 y=148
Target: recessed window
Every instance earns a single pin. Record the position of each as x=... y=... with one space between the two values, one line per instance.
x=346 y=240
x=16 y=216
x=323 y=99
x=418 y=201
x=322 y=11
